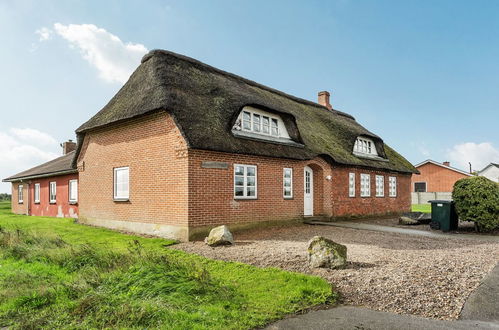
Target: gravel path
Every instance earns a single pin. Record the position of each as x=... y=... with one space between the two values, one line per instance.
x=387 y=272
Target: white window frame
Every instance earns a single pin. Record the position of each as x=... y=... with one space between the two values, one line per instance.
x=351 y=184
x=260 y=118
x=365 y=185
x=20 y=194
x=284 y=180
x=125 y=196
x=380 y=186
x=245 y=181
x=36 y=193
x=73 y=199
x=392 y=186
x=54 y=185
x=365 y=146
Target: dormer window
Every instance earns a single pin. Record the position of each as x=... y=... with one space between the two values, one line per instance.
x=364 y=146
x=260 y=123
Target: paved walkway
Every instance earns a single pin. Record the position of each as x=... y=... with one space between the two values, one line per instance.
x=365 y=226
x=356 y=318
x=483 y=303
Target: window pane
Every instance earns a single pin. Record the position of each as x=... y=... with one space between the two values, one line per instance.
x=239 y=191
x=275 y=127
x=287 y=182
x=266 y=123
x=250 y=181
x=250 y=171
x=246 y=116
x=287 y=191
x=250 y=191
x=256 y=123
x=239 y=180
x=239 y=170
x=287 y=173
x=247 y=124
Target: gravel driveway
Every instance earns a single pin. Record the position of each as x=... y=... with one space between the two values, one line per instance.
x=387 y=272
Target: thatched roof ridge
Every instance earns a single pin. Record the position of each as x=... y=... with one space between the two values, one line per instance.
x=59 y=166
x=205 y=101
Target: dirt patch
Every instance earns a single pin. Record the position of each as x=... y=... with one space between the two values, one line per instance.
x=387 y=272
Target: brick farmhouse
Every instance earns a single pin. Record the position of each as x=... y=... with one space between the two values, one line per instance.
x=436 y=177
x=184 y=146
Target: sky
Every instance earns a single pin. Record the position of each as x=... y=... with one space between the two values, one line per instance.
x=423 y=75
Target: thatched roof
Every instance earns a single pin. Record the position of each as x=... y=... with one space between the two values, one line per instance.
x=205 y=101
x=58 y=166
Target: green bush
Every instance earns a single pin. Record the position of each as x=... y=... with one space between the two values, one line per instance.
x=477 y=200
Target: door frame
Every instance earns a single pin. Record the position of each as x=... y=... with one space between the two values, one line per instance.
x=311 y=194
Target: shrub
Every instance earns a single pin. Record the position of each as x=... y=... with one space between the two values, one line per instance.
x=477 y=199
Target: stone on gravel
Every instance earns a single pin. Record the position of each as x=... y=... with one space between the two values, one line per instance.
x=408 y=221
x=219 y=236
x=324 y=253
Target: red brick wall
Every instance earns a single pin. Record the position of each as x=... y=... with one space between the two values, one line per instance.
x=62 y=207
x=155 y=151
x=19 y=208
x=211 y=200
x=437 y=178
x=344 y=205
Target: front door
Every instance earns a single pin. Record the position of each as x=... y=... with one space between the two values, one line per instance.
x=308 y=195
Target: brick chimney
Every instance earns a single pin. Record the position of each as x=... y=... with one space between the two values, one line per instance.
x=446 y=163
x=68 y=146
x=324 y=99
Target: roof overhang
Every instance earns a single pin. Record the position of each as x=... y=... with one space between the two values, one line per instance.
x=442 y=165
x=37 y=176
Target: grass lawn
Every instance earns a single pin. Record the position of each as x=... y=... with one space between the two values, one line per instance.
x=58 y=274
x=425 y=208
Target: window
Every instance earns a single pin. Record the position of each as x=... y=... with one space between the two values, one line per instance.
x=365 y=185
x=351 y=184
x=73 y=191
x=420 y=186
x=288 y=183
x=380 y=186
x=392 y=186
x=364 y=146
x=245 y=181
x=52 y=192
x=121 y=183
x=261 y=122
x=37 y=193
x=20 y=198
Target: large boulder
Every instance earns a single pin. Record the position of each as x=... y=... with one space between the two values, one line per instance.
x=408 y=221
x=219 y=236
x=323 y=252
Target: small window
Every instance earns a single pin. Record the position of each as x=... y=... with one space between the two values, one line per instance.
x=392 y=186
x=246 y=120
x=365 y=185
x=73 y=191
x=261 y=122
x=53 y=192
x=364 y=146
x=380 y=186
x=20 y=192
x=121 y=183
x=265 y=125
x=275 y=127
x=351 y=184
x=420 y=186
x=37 y=193
x=245 y=181
x=256 y=123
x=287 y=183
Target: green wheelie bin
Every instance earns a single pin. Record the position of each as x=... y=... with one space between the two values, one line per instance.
x=443 y=215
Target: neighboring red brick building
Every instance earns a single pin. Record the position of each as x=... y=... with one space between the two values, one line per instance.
x=50 y=189
x=436 y=177
x=183 y=147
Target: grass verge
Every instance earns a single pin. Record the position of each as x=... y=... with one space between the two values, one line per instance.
x=58 y=274
x=425 y=208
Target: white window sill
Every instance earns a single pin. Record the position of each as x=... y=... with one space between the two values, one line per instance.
x=121 y=199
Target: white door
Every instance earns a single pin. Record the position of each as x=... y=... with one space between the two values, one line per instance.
x=308 y=194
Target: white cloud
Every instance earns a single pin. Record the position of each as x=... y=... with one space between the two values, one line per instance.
x=479 y=154
x=113 y=59
x=34 y=136
x=20 y=152
x=44 y=33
